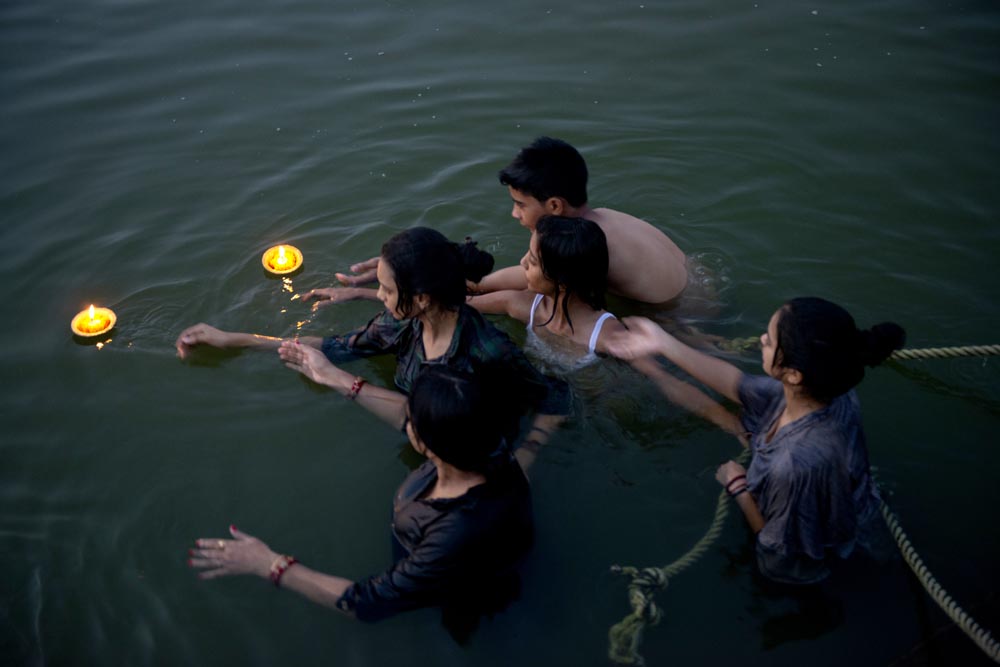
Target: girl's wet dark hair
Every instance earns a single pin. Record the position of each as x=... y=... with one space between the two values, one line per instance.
x=548 y=168
x=573 y=253
x=451 y=413
x=820 y=340
x=423 y=261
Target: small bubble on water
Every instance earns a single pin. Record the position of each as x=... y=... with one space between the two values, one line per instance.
x=815 y=12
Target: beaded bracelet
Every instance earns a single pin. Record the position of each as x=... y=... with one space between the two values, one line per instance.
x=280 y=566
x=359 y=382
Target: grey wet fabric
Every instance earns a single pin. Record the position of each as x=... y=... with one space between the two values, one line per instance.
x=812 y=482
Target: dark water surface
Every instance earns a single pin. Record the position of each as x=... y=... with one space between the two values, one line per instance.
x=151 y=151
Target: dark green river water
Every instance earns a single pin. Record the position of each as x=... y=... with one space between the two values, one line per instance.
x=152 y=150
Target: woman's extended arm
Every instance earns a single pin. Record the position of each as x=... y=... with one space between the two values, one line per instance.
x=327 y=296
x=690 y=398
x=645 y=338
x=386 y=404
x=245 y=554
x=203 y=334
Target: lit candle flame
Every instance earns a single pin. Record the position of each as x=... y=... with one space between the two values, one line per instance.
x=91 y=312
x=281 y=259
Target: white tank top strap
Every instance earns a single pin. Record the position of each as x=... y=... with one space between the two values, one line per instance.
x=531 y=316
x=597 y=332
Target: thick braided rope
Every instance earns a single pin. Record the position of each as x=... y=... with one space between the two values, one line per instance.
x=624 y=637
x=752 y=343
x=944 y=352
x=980 y=635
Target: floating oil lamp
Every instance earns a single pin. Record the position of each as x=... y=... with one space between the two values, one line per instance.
x=281 y=259
x=93 y=322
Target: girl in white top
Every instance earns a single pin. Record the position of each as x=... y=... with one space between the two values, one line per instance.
x=566 y=268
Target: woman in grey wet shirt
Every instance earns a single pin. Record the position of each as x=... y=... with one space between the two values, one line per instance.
x=808 y=494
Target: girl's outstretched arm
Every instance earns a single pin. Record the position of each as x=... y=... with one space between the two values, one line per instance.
x=326 y=296
x=511 y=278
x=690 y=398
x=245 y=554
x=514 y=303
x=645 y=338
x=204 y=334
x=386 y=404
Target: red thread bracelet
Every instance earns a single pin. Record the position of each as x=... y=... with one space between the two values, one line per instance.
x=359 y=382
x=280 y=566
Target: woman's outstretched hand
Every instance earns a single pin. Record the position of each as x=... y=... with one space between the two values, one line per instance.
x=643 y=338
x=312 y=363
x=325 y=296
x=200 y=334
x=244 y=554
x=364 y=272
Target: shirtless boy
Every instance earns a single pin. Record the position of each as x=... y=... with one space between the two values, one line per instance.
x=549 y=177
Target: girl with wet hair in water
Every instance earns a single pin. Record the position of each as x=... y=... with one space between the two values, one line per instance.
x=566 y=269
x=808 y=494
x=461 y=521
x=426 y=321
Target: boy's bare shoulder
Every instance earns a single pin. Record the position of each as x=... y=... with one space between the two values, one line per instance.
x=644 y=263
x=622 y=227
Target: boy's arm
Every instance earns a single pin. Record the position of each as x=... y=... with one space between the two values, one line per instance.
x=511 y=278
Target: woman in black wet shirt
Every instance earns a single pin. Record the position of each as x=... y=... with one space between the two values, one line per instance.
x=461 y=521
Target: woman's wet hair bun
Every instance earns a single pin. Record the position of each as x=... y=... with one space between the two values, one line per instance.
x=476 y=263
x=877 y=343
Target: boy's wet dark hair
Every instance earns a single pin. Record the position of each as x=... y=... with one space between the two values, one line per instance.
x=573 y=253
x=452 y=414
x=820 y=340
x=548 y=168
x=423 y=261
